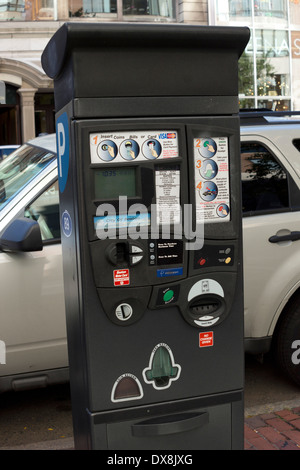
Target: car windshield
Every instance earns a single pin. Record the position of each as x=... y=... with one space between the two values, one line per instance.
x=19 y=168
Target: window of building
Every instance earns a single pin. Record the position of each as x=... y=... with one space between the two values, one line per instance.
x=275 y=8
x=272 y=69
x=294 y=8
x=27 y=10
x=264 y=68
x=162 y=8
x=39 y=10
x=233 y=9
x=11 y=10
x=264 y=181
x=246 y=78
x=240 y=10
x=92 y=8
x=130 y=9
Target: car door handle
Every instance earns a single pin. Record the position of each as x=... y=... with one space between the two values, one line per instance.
x=293 y=236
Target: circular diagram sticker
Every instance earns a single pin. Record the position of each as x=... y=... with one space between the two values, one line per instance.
x=208 y=148
x=129 y=149
x=209 y=169
x=151 y=149
x=222 y=210
x=209 y=191
x=107 y=150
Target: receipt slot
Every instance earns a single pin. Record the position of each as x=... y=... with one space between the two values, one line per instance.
x=149 y=178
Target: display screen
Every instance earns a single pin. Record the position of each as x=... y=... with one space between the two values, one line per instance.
x=169 y=252
x=110 y=183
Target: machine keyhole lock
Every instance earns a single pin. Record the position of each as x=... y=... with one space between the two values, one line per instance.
x=123 y=312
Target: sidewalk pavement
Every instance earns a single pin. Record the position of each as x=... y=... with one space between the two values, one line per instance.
x=273 y=427
x=268 y=427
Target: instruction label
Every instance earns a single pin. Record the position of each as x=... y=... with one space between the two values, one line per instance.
x=116 y=147
x=211 y=168
x=167 y=184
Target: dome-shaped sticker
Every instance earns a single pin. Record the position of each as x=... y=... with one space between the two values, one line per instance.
x=126 y=387
x=162 y=370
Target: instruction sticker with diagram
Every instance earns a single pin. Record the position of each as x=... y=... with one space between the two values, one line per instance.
x=211 y=167
x=119 y=147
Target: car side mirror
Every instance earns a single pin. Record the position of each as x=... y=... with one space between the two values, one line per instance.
x=22 y=235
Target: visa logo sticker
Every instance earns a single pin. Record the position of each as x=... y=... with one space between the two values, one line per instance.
x=167 y=135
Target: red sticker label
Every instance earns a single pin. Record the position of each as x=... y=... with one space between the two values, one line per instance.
x=206 y=339
x=121 y=277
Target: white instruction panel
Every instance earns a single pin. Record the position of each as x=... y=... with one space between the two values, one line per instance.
x=119 y=147
x=167 y=185
x=212 y=191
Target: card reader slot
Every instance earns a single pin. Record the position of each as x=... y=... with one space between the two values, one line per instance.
x=121 y=253
x=207 y=306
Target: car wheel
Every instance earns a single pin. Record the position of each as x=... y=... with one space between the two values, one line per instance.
x=287 y=340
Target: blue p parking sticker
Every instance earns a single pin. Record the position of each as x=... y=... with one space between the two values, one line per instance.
x=62 y=136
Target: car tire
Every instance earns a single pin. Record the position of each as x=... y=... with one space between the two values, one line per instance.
x=287 y=341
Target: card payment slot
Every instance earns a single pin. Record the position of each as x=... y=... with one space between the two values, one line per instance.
x=124 y=254
x=206 y=310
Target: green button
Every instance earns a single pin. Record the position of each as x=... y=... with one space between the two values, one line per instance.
x=168 y=295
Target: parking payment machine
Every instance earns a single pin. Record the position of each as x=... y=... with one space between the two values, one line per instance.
x=149 y=178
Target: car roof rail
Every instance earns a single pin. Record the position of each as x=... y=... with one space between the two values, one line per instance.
x=267 y=116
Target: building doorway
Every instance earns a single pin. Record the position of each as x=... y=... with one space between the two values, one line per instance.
x=44 y=111
x=10 y=129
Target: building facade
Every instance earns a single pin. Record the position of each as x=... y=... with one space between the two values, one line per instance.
x=268 y=68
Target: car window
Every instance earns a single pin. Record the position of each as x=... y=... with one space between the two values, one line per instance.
x=264 y=181
x=296 y=143
x=5 y=150
x=19 y=168
x=45 y=210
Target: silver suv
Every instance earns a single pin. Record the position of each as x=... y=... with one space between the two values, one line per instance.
x=270 y=166
x=31 y=289
x=33 y=346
